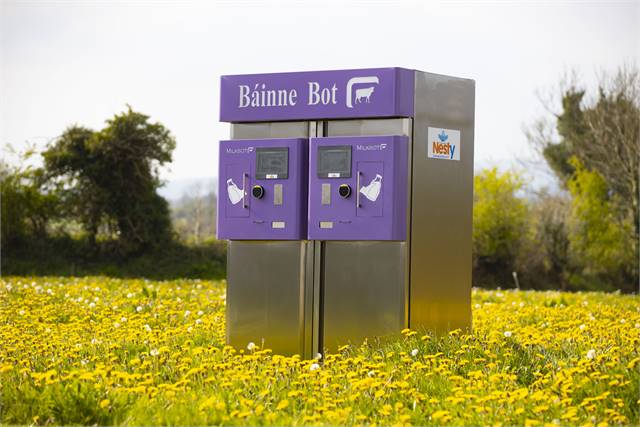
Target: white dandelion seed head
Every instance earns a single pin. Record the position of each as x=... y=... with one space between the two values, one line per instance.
x=591 y=354
x=507 y=334
x=314 y=367
x=414 y=352
x=251 y=346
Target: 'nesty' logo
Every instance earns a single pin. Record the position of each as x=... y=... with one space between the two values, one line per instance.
x=243 y=150
x=362 y=93
x=443 y=144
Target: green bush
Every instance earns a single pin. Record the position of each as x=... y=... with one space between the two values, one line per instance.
x=500 y=219
x=65 y=256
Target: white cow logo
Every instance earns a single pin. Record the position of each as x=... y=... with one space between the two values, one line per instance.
x=360 y=93
x=364 y=93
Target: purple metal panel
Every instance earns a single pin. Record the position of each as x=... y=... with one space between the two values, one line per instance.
x=373 y=92
x=241 y=216
x=377 y=206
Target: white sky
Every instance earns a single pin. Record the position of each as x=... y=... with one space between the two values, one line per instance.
x=67 y=62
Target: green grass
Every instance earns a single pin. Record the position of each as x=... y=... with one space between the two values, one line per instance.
x=97 y=350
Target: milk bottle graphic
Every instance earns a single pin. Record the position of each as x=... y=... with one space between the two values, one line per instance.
x=372 y=191
x=235 y=194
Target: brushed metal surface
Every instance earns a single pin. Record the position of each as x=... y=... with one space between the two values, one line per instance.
x=266 y=294
x=316 y=129
x=310 y=346
x=270 y=130
x=326 y=194
x=316 y=344
x=277 y=194
x=362 y=291
x=369 y=127
x=407 y=258
x=441 y=210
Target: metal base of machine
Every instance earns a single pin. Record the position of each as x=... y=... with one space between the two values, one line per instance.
x=362 y=291
x=266 y=295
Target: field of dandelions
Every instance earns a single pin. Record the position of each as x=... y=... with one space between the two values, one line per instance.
x=135 y=352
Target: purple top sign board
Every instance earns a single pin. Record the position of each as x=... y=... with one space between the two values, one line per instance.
x=372 y=92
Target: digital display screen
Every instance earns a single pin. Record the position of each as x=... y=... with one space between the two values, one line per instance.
x=334 y=161
x=272 y=163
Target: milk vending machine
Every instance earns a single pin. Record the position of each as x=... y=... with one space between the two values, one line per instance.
x=346 y=197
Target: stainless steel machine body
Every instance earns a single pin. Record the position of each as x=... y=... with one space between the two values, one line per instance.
x=309 y=296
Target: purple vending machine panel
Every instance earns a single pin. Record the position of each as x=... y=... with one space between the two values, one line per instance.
x=358 y=188
x=262 y=189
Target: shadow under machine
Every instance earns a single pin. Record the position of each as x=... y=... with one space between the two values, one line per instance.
x=346 y=197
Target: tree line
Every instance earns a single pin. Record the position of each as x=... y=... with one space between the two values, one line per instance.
x=100 y=187
x=584 y=236
x=104 y=181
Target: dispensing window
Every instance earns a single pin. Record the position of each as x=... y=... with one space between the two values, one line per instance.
x=272 y=163
x=334 y=161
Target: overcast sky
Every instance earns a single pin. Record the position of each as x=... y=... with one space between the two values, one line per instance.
x=81 y=62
